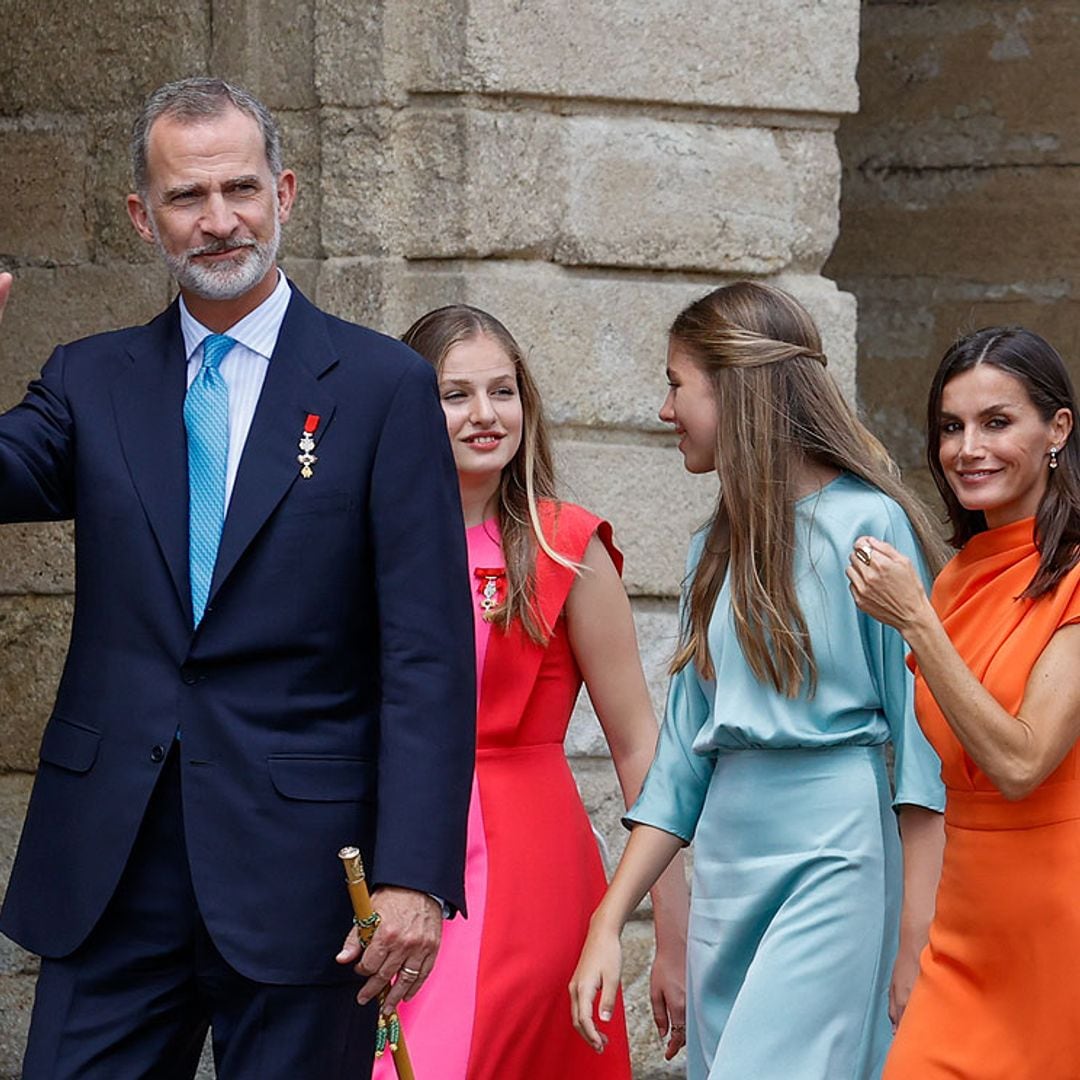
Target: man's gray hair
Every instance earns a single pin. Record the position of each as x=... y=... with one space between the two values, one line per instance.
x=195 y=99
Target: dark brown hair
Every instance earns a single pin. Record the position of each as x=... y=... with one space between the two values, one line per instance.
x=530 y=475
x=1036 y=364
x=777 y=407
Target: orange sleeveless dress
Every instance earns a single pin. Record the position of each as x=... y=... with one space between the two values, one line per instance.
x=998 y=995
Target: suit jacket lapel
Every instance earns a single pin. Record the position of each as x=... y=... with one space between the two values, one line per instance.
x=268 y=465
x=148 y=400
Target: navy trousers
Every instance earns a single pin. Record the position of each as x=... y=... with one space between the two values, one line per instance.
x=137 y=998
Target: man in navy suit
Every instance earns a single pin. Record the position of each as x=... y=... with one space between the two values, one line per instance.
x=271 y=654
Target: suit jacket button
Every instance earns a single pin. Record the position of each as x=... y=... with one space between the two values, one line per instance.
x=157 y=754
x=189 y=675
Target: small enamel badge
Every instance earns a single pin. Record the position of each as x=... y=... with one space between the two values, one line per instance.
x=491 y=587
x=307 y=444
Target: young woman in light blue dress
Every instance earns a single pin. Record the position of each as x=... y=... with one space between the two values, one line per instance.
x=809 y=905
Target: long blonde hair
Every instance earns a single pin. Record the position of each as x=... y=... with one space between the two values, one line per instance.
x=777 y=409
x=527 y=479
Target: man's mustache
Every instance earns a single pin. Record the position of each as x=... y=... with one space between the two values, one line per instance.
x=219 y=246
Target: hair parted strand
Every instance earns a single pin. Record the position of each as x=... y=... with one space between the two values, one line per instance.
x=526 y=480
x=777 y=409
x=1038 y=366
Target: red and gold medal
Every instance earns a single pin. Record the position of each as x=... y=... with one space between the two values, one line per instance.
x=307 y=444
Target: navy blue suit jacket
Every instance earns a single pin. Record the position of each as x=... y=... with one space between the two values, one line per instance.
x=326 y=698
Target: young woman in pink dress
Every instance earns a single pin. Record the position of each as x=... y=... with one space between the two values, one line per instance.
x=551 y=613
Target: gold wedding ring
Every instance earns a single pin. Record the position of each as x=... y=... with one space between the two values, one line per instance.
x=864 y=554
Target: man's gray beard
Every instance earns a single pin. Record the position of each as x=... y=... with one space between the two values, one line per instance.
x=222 y=281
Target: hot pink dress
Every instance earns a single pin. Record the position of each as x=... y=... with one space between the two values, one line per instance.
x=496 y=1007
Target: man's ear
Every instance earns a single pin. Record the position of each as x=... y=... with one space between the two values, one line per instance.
x=286 y=194
x=140 y=217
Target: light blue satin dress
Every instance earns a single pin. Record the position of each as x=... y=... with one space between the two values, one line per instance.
x=797 y=881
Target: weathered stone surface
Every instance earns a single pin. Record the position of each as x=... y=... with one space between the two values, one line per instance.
x=776 y=54
x=657 y=627
x=267 y=46
x=46 y=168
x=958 y=222
x=360 y=211
x=600 y=793
x=56 y=55
x=814 y=171
x=966 y=83
x=352 y=66
x=109 y=228
x=37 y=558
x=33 y=642
x=482 y=183
x=14 y=795
x=580 y=190
x=596 y=343
x=638 y=949
x=907 y=324
x=675 y=196
x=652 y=502
x=301 y=139
x=16 y=1001
x=48 y=307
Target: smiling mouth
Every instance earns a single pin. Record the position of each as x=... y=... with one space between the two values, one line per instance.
x=483 y=440
x=977 y=474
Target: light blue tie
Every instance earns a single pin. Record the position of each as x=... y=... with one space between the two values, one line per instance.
x=206 y=416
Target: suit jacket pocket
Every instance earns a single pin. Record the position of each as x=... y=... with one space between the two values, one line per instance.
x=323 y=777
x=71 y=746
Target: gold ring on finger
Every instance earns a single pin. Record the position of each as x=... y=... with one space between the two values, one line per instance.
x=865 y=554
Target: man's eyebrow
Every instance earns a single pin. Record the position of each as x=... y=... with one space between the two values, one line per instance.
x=180 y=189
x=236 y=181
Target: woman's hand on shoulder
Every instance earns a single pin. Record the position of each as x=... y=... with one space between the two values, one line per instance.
x=886 y=584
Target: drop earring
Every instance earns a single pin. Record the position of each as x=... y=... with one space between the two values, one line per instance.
x=1053 y=457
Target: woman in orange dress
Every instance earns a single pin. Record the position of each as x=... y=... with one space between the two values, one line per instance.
x=996 y=651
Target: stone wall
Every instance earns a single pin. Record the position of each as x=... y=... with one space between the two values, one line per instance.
x=959 y=191
x=582 y=172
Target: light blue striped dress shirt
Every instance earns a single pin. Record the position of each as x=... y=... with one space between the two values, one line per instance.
x=244 y=369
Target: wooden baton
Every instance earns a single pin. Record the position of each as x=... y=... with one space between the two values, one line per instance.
x=389 y=1033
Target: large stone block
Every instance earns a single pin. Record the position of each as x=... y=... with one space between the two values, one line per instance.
x=813 y=165
x=34 y=633
x=599 y=191
x=652 y=502
x=46 y=167
x=51 y=306
x=361 y=209
x=16 y=1001
x=57 y=56
x=110 y=182
x=959 y=223
x=907 y=324
x=966 y=83
x=38 y=557
x=301 y=139
x=353 y=64
x=603 y=801
x=657 y=625
x=790 y=55
x=649 y=194
x=268 y=47
x=14 y=796
x=596 y=342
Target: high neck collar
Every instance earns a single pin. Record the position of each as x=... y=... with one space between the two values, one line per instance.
x=1017 y=537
